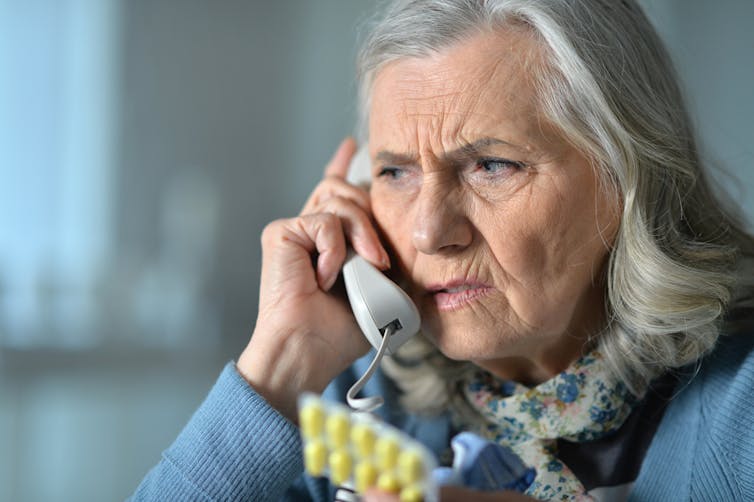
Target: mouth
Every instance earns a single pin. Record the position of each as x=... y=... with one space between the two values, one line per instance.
x=458 y=294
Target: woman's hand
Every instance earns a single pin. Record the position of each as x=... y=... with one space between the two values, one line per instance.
x=457 y=494
x=305 y=333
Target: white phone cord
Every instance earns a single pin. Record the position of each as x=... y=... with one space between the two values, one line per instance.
x=369 y=404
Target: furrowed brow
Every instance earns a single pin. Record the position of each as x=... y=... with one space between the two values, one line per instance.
x=466 y=151
x=473 y=149
x=393 y=158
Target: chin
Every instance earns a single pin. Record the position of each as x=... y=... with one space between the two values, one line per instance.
x=468 y=344
x=477 y=331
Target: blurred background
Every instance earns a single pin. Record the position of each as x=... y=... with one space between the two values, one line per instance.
x=144 y=144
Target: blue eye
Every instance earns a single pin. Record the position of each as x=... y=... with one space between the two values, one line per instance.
x=493 y=166
x=390 y=172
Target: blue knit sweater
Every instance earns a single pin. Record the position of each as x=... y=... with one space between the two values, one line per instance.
x=236 y=447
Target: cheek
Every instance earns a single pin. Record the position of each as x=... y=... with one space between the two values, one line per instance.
x=519 y=234
x=393 y=223
x=539 y=249
x=577 y=247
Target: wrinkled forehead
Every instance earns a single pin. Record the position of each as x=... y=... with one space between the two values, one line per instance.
x=484 y=82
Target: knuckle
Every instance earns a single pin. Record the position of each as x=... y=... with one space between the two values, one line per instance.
x=327 y=184
x=319 y=221
x=344 y=201
x=272 y=230
x=348 y=208
x=330 y=220
x=339 y=203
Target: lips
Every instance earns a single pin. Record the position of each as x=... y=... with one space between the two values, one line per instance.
x=457 y=294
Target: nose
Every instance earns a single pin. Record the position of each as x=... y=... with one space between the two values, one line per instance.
x=441 y=224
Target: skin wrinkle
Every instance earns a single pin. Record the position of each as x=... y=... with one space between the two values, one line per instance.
x=442 y=80
x=536 y=234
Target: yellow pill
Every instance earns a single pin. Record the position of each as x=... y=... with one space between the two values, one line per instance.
x=387 y=482
x=340 y=466
x=410 y=467
x=315 y=456
x=387 y=452
x=311 y=417
x=362 y=438
x=337 y=429
x=365 y=476
x=412 y=493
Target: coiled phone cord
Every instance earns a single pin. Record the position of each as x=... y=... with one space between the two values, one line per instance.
x=371 y=403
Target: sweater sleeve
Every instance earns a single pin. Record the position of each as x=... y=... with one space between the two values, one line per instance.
x=235 y=447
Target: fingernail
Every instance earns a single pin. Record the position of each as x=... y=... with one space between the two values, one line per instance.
x=324 y=278
x=385 y=260
x=330 y=281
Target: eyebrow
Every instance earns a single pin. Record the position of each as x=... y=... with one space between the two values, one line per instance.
x=465 y=151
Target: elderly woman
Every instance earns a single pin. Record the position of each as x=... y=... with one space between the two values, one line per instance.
x=536 y=188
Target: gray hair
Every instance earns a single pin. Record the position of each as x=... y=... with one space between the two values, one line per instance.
x=608 y=84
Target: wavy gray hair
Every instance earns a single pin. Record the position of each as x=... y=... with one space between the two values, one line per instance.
x=609 y=86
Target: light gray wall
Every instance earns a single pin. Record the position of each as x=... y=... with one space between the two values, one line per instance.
x=224 y=115
x=712 y=44
x=253 y=96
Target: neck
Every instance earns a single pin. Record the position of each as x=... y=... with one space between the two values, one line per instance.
x=543 y=366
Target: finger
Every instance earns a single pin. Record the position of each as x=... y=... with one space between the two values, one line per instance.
x=359 y=230
x=336 y=187
x=379 y=496
x=320 y=233
x=326 y=230
x=338 y=165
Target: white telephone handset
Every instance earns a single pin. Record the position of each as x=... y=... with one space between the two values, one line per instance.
x=379 y=304
x=386 y=315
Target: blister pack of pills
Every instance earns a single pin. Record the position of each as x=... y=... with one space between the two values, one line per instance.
x=358 y=451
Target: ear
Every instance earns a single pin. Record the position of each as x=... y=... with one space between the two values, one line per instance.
x=359 y=173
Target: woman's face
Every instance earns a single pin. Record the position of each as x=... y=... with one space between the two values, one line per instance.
x=498 y=224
